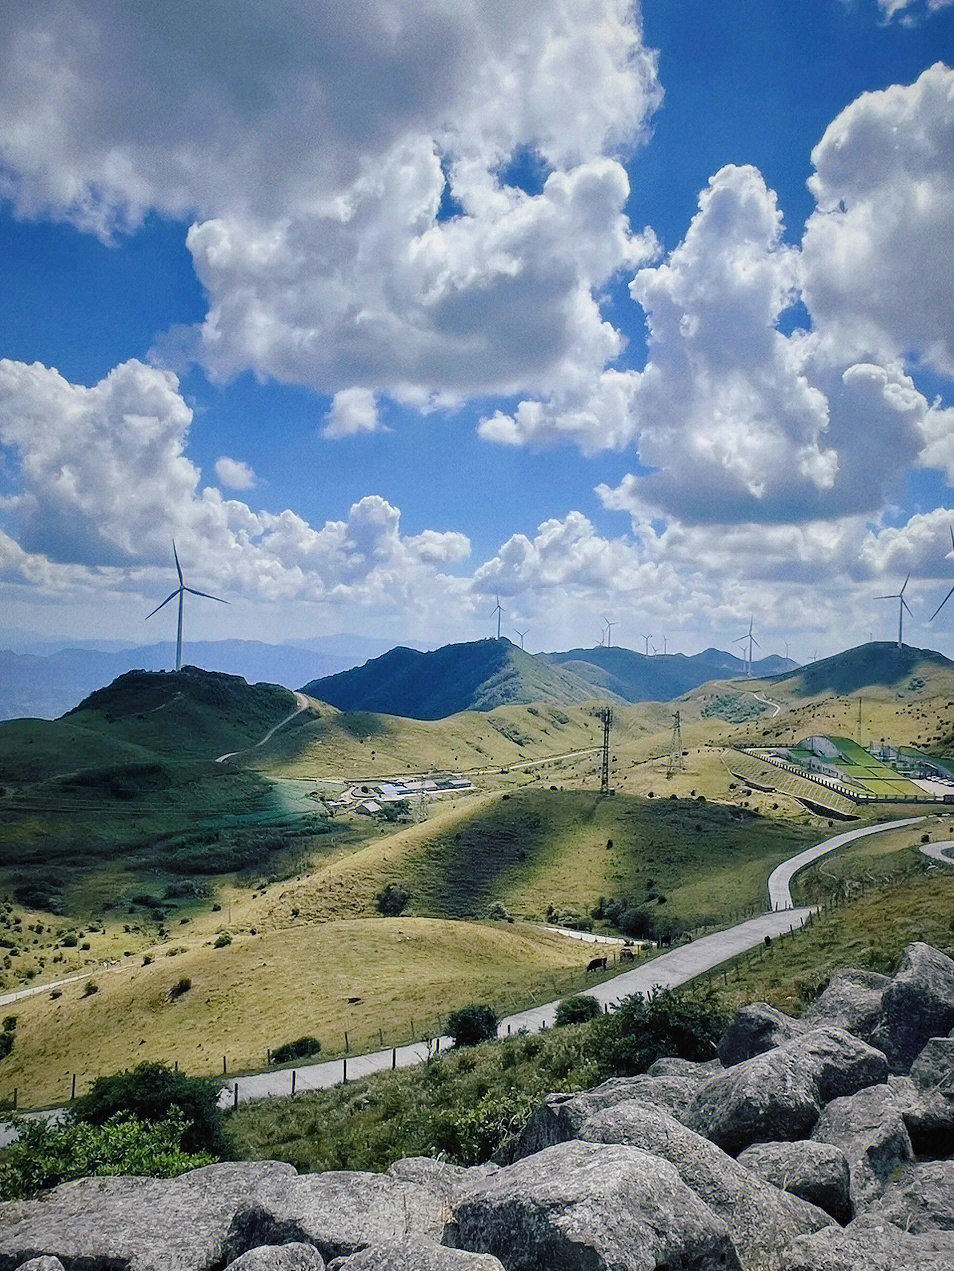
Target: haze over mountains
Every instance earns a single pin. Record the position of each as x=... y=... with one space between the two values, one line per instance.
x=485 y=674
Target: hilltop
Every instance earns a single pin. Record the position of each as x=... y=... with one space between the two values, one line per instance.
x=881 y=664
x=476 y=676
x=636 y=677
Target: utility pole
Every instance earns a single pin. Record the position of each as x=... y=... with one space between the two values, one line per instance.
x=675 y=750
x=606 y=717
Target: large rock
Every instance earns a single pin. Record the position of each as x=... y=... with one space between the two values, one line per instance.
x=816 y=1172
x=870 y=1129
x=559 y=1117
x=339 y=1212
x=920 y=1199
x=755 y=1029
x=292 y=1257
x=852 y=1001
x=138 y=1224
x=747 y=1204
x=918 y=1004
x=866 y=1245
x=591 y=1207
x=415 y=1255
x=672 y=1066
x=779 y=1094
x=42 y=1264
x=930 y=1118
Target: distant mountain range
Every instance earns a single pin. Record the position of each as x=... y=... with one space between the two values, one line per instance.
x=485 y=674
x=51 y=679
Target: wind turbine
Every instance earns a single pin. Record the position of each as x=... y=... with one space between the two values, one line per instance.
x=499 y=612
x=180 y=592
x=609 y=631
x=521 y=634
x=647 y=639
x=750 y=638
x=950 y=593
x=902 y=605
x=665 y=645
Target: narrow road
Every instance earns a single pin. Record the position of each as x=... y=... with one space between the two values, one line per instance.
x=302 y=705
x=766 y=701
x=666 y=971
x=940 y=851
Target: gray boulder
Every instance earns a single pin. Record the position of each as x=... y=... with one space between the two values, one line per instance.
x=42 y=1264
x=870 y=1129
x=920 y=1199
x=930 y=1118
x=591 y=1207
x=866 y=1245
x=816 y=1172
x=670 y=1066
x=755 y=1029
x=559 y=1117
x=852 y=1001
x=415 y=1255
x=918 y=1004
x=339 y=1212
x=139 y=1224
x=779 y=1094
x=291 y=1257
x=747 y=1204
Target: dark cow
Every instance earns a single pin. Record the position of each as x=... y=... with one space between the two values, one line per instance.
x=596 y=964
x=626 y=955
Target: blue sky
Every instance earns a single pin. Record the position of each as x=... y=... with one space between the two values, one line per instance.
x=343 y=302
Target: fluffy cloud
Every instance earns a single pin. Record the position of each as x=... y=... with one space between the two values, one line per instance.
x=234 y=474
x=104 y=482
x=878 y=272
x=910 y=11
x=347 y=172
x=353 y=410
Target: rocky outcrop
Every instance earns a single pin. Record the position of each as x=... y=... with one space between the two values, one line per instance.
x=816 y=1172
x=747 y=1204
x=780 y=1094
x=920 y=1198
x=591 y=1207
x=415 y=1255
x=918 y=1004
x=869 y=1128
x=852 y=1000
x=866 y=1245
x=290 y=1257
x=755 y=1029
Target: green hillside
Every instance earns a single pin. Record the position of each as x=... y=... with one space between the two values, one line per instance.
x=881 y=664
x=478 y=676
x=637 y=678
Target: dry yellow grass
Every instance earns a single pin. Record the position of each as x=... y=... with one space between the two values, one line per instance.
x=270 y=988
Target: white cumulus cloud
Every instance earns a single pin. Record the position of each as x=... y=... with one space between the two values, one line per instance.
x=234 y=474
x=353 y=411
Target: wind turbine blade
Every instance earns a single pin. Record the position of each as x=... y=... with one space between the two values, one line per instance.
x=176 y=555
x=755 y=642
x=951 y=528
x=165 y=602
x=904 y=584
x=906 y=605
x=894 y=597
x=192 y=591
x=941 y=605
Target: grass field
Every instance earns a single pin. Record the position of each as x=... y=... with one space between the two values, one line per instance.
x=263 y=990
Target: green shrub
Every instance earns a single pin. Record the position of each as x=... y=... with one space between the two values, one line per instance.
x=46 y=1152
x=182 y=985
x=7 y=1035
x=643 y=1029
x=298 y=1049
x=577 y=1010
x=222 y=939
x=89 y=988
x=472 y=1024
x=391 y=900
x=153 y=1092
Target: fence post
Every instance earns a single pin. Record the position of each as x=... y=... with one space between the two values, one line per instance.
x=73 y=1088
x=224 y=1066
x=344 y=1069
x=235 y=1096
x=347 y=1044
x=293 y=1081
x=14 y=1098
x=394 y=1056
x=268 y=1055
x=381 y=1037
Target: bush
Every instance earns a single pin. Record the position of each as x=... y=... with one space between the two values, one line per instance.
x=154 y=1092
x=182 y=985
x=222 y=939
x=577 y=1010
x=7 y=1036
x=301 y=1048
x=644 y=1029
x=89 y=988
x=391 y=900
x=47 y=1152
x=472 y=1024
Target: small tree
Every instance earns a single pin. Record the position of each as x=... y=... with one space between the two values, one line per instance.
x=644 y=1029
x=577 y=1010
x=472 y=1024
x=391 y=900
x=154 y=1092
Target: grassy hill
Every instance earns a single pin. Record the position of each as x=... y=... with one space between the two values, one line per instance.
x=637 y=678
x=880 y=664
x=477 y=676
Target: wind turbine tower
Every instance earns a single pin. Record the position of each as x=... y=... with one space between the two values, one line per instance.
x=521 y=634
x=647 y=639
x=902 y=605
x=180 y=592
x=750 y=639
x=609 y=631
x=499 y=612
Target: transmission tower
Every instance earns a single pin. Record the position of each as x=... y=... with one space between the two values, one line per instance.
x=606 y=717
x=675 y=750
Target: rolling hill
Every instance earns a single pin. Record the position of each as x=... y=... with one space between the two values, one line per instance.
x=634 y=677
x=477 y=676
x=880 y=664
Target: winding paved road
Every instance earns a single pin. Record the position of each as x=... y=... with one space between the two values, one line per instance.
x=302 y=705
x=667 y=971
x=939 y=851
